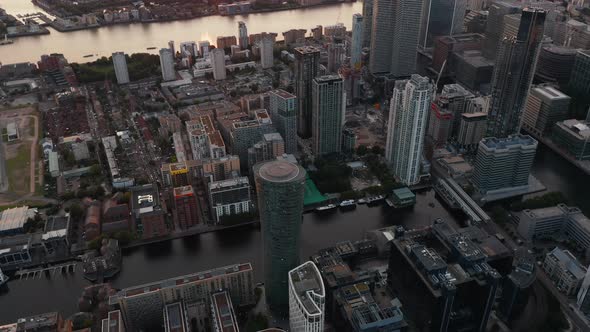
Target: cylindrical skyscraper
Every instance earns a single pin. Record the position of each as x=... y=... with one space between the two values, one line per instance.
x=280 y=186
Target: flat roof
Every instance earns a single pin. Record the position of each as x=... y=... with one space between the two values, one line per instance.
x=174 y=317
x=216 y=139
x=283 y=94
x=279 y=171
x=550 y=92
x=569 y=261
x=404 y=193
x=306 y=282
x=183 y=191
x=224 y=312
x=494 y=143
x=15 y=218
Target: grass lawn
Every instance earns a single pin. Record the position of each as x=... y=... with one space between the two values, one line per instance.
x=17 y=169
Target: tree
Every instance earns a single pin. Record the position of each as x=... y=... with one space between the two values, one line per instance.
x=362 y=150
x=76 y=212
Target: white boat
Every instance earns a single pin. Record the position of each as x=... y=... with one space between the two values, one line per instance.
x=362 y=201
x=373 y=199
x=350 y=203
x=326 y=207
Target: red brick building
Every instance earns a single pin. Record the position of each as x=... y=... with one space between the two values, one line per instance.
x=186 y=207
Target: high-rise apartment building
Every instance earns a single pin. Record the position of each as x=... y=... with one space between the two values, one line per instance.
x=357 y=41
x=167 y=65
x=513 y=73
x=204 y=48
x=545 y=106
x=440 y=124
x=120 y=64
x=406 y=128
x=270 y=147
x=266 y=46
x=218 y=63
x=441 y=18
x=367 y=22
x=246 y=130
x=280 y=186
x=242 y=35
x=394 y=36
x=142 y=306
x=503 y=163
x=229 y=197
x=327 y=114
x=307 y=67
x=336 y=55
x=186 y=207
x=171 y=47
x=306 y=299
x=283 y=113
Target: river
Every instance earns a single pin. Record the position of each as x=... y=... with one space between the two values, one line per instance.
x=134 y=38
x=201 y=252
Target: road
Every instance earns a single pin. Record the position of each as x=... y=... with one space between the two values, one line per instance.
x=573 y=316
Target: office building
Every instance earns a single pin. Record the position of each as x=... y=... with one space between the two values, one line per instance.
x=280 y=186
x=167 y=64
x=142 y=305
x=545 y=106
x=204 y=47
x=564 y=270
x=456 y=99
x=513 y=73
x=579 y=83
x=336 y=55
x=573 y=136
x=225 y=42
x=306 y=299
x=472 y=70
x=367 y=22
x=583 y=297
x=348 y=140
x=503 y=163
x=223 y=316
x=356 y=46
x=495 y=25
x=445 y=46
x=394 y=36
x=472 y=129
x=229 y=197
x=217 y=57
x=244 y=130
x=441 y=18
x=171 y=47
x=406 y=127
x=307 y=67
x=266 y=46
x=242 y=35
x=443 y=278
x=327 y=114
x=121 y=71
x=149 y=219
x=186 y=208
x=270 y=147
x=283 y=114
x=440 y=125
x=555 y=64
x=557 y=223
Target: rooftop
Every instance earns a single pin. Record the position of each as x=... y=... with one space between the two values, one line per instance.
x=569 y=261
x=224 y=312
x=183 y=191
x=514 y=141
x=229 y=183
x=306 y=282
x=283 y=94
x=550 y=92
x=306 y=49
x=578 y=128
x=15 y=218
x=404 y=193
x=174 y=317
x=198 y=277
x=279 y=171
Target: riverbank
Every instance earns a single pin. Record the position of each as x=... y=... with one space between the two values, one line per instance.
x=582 y=165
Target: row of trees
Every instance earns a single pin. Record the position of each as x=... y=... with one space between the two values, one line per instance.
x=140 y=66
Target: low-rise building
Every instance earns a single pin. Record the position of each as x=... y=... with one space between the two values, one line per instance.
x=12 y=221
x=149 y=218
x=92 y=222
x=573 y=136
x=115 y=216
x=564 y=270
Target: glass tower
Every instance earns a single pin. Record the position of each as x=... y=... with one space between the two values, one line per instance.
x=280 y=186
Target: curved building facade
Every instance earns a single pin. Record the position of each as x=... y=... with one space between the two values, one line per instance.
x=306 y=299
x=280 y=186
